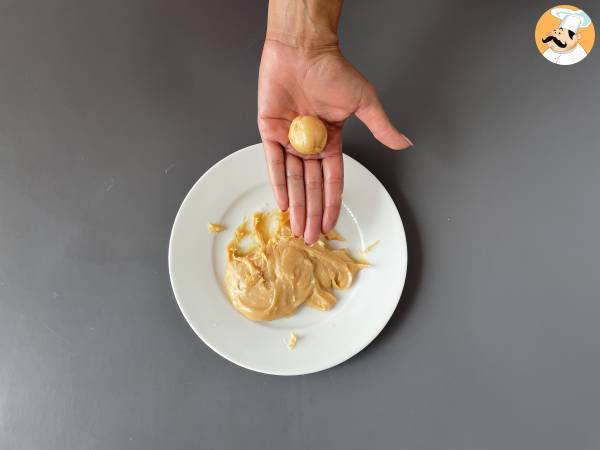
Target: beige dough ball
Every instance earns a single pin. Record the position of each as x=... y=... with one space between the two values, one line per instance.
x=308 y=135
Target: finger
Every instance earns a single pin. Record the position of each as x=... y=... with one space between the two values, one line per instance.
x=371 y=113
x=274 y=129
x=295 y=186
x=333 y=174
x=275 y=163
x=313 y=180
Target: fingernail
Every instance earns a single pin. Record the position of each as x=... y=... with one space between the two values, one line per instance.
x=408 y=140
x=309 y=238
x=326 y=226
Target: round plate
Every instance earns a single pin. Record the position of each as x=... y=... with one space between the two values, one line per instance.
x=236 y=187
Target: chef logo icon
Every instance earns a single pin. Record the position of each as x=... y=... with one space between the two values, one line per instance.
x=564 y=35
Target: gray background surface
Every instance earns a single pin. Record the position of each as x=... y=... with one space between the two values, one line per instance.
x=111 y=110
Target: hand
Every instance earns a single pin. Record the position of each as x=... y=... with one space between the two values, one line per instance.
x=318 y=82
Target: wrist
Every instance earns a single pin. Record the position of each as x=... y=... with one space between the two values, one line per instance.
x=309 y=24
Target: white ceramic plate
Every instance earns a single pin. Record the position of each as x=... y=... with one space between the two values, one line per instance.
x=236 y=187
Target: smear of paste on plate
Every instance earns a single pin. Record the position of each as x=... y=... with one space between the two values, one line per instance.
x=292 y=341
x=270 y=273
x=215 y=227
x=362 y=256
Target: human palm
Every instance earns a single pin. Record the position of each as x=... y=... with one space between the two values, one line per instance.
x=321 y=83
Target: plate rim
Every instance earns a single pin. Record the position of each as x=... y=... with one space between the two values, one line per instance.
x=336 y=361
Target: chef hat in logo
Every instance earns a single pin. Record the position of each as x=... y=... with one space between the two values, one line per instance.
x=570 y=19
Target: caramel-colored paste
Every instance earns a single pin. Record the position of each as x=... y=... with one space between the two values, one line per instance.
x=215 y=227
x=270 y=273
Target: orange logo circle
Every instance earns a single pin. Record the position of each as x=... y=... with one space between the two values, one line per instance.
x=564 y=35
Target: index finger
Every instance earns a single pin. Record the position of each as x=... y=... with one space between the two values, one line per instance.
x=276 y=164
x=333 y=174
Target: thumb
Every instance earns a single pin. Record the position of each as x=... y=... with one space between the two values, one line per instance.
x=371 y=113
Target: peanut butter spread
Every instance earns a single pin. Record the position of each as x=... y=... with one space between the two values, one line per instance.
x=275 y=273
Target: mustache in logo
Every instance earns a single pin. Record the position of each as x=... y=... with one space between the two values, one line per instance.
x=555 y=40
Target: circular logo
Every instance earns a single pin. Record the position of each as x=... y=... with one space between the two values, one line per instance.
x=564 y=35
